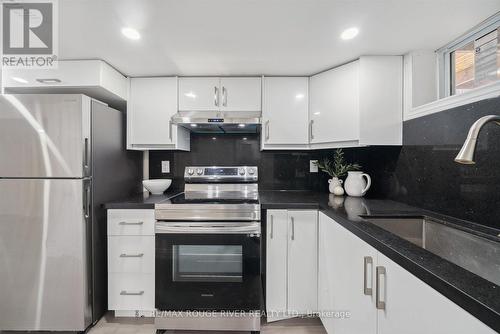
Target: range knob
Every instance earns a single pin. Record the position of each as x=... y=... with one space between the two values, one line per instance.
x=199 y=171
x=190 y=171
x=251 y=171
x=241 y=171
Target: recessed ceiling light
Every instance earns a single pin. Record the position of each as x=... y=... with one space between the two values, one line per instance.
x=213 y=138
x=349 y=33
x=131 y=33
x=21 y=80
x=194 y=125
x=241 y=125
x=245 y=138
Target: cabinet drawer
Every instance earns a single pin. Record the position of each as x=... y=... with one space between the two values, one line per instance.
x=131 y=291
x=131 y=222
x=131 y=254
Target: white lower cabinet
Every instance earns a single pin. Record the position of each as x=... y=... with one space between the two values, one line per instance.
x=131 y=262
x=413 y=307
x=348 y=270
x=291 y=263
x=345 y=280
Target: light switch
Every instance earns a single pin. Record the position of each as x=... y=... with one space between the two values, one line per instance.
x=313 y=167
x=165 y=166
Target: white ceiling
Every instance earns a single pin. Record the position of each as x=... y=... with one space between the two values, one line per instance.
x=244 y=37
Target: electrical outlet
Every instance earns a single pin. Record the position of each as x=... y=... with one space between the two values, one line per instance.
x=165 y=166
x=313 y=166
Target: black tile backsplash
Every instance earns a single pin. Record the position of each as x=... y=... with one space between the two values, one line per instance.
x=427 y=176
x=422 y=173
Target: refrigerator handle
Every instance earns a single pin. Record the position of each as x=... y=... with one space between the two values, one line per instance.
x=86 y=202
x=86 y=155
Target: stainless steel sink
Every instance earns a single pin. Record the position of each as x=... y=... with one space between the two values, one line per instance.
x=477 y=254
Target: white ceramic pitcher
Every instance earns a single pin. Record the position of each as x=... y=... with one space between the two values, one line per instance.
x=355 y=184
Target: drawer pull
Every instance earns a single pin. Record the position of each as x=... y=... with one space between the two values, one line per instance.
x=126 y=293
x=132 y=255
x=129 y=223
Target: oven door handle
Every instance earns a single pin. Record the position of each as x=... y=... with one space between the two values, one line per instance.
x=208 y=228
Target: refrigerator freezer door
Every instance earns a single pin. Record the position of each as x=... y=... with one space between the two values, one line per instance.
x=43 y=263
x=44 y=136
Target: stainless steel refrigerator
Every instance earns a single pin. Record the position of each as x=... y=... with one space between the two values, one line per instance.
x=61 y=158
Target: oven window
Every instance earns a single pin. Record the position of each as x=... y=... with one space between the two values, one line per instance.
x=207 y=263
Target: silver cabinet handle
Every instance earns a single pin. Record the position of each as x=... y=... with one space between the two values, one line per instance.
x=126 y=293
x=272 y=226
x=367 y=261
x=130 y=223
x=48 y=80
x=131 y=255
x=224 y=96
x=267 y=130
x=293 y=227
x=216 y=96
x=380 y=304
x=311 y=128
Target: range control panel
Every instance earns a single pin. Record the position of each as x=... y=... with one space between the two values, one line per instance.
x=221 y=173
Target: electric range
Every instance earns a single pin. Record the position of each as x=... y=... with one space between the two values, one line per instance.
x=208 y=248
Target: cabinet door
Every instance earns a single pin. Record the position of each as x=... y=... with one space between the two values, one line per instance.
x=413 y=307
x=302 y=262
x=240 y=94
x=199 y=94
x=381 y=100
x=276 y=257
x=347 y=267
x=153 y=101
x=285 y=111
x=334 y=106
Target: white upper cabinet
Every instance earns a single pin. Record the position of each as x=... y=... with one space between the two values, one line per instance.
x=152 y=103
x=285 y=113
x=381 y=100
x=334 y=107
x=219 y=94
x=240 y=94
x=199 y=94
x=94 y=78
x=358 y=104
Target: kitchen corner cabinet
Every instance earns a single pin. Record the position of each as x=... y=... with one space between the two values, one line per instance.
x=357 y=104
x=345 y=264
x=348 y=270
x=291 y=263
x=152 y=103
x=285 y=113
x=131 y=262
x=220 y=94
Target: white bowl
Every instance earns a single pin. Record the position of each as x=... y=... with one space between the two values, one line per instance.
x=157 y=186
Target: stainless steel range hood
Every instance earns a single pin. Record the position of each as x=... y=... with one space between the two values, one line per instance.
x=218 y=122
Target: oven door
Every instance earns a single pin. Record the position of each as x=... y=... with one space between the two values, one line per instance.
x=207 y=266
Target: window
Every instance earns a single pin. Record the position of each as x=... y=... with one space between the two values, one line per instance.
x=475 y=64
x=471 y=61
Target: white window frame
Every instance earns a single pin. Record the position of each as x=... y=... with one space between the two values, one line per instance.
x=444 y=53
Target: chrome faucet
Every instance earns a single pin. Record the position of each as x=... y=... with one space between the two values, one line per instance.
x=466 y=154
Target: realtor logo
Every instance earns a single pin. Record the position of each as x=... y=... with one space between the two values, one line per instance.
x=29 y=32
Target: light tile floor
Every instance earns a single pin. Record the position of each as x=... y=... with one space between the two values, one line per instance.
x=111 y=325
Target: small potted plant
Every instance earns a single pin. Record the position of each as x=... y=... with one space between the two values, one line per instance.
x=337 y=168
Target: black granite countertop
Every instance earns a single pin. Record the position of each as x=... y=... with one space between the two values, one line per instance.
x=478 y=296
x=141 y=201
